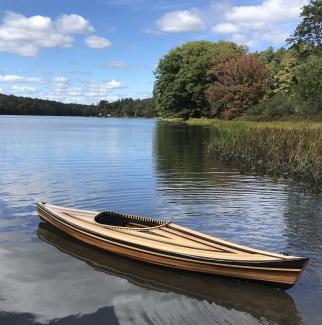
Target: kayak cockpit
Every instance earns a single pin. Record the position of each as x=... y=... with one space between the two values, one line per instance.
x=109 y=219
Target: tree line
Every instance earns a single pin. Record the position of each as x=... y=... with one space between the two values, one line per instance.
x=222 y=79
x=128 y=107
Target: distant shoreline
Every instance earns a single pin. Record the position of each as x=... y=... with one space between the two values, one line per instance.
x=99 y=117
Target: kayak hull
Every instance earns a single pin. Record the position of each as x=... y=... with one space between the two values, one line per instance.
x=282 y=272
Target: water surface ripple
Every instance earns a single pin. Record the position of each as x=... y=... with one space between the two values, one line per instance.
x=150 y=168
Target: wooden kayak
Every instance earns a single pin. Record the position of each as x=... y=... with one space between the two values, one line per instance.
x=167 y=244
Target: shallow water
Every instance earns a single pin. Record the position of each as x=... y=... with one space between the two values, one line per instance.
x=150 y=168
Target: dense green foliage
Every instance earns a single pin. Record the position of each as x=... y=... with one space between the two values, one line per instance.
x=296 y=73
x=206 y=79
x=14 y=105
x=298 y=80
x=308 y=85
x=29 y=106
x=281 y=64
x=128 y=107
x=278 y=106
x=182 y=77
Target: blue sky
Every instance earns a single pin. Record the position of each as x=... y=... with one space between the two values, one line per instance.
x=86 y=50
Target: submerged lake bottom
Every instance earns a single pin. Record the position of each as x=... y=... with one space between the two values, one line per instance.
x=155 y=169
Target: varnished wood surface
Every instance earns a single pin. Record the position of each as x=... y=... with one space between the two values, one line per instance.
x=177 y=247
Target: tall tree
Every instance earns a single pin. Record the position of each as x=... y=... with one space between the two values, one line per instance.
x=285 y=76
x=240 y=82
x=308 y=85
x=182 y=76
x=308 y=34
x=281 y=64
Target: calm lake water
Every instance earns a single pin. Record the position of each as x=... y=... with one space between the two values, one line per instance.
x=150 y=168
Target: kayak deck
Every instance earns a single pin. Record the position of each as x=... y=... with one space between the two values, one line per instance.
x=167 y=244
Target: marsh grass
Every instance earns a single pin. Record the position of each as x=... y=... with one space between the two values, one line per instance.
x=241 y=123
x=274 y=148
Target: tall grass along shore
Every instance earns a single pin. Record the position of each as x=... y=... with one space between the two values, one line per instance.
x=274 y=148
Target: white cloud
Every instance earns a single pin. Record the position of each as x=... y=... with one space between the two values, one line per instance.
x=116 y=65
x=36 y=80
x=85 y=92
x=269 y=21
x=73 y=24
x=181 y=21
x=242 y=39
x=22 y=90
x=250 y=25
x=97 y=42
x=225 y=28
x=74 y=91
x=15 y=78
x=102 y=89
x=114 y=84
x=267 y=12
x=26 y=36
x=11 y=78
x=60 y=79
x=61 y=88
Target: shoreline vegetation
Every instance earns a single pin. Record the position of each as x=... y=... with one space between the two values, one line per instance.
x=277 y=149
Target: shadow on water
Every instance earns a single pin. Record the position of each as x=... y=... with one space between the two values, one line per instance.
x=262 y=303
x=182 y=161
x=182 y=149
x=188 y=143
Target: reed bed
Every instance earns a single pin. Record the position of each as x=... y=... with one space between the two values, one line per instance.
x=240 y=123
x=278 y=149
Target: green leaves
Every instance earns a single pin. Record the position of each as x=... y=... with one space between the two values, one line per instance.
x=307 y=37
x=308 y=86
x=182 y=77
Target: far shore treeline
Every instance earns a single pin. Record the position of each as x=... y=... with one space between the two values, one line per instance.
x=127 y=107
x=205 y=79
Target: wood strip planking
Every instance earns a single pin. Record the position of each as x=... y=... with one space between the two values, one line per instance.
x=173 y=239
x=225 y=243
x=271 y=275
x=150 y=240
x=174 y=246
x=196 y=239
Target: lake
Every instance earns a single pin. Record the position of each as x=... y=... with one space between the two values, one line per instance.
x=150 y=168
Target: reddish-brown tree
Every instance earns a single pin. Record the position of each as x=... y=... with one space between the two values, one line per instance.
x=240 y=82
